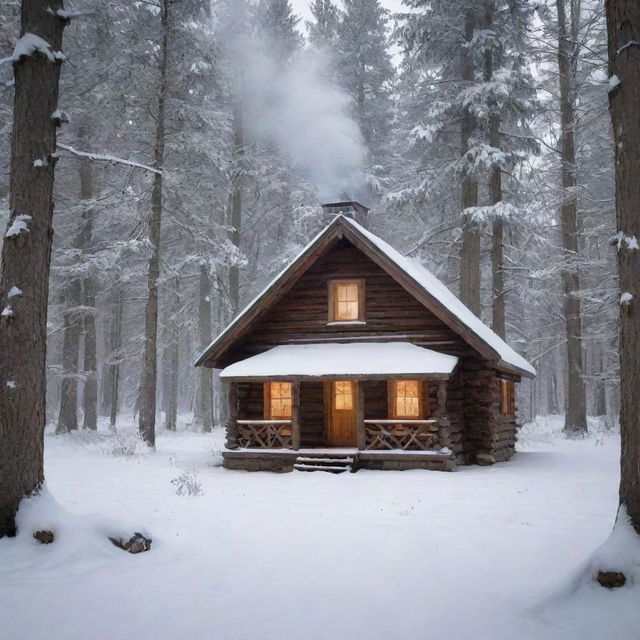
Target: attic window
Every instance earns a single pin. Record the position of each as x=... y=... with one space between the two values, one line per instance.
x=507 y=398
x=346 y=301
x=277 y=400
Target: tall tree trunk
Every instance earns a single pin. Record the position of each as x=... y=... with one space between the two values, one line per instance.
x=72 y=322
x=90 y=396
x=623 y=20
x=26 y=258
x=576 y=407
x=236 y=207
x=173 y=362
x=113 y=371
x=147 y=418
x=495 y=190
x=470 y=256
x=205 y=382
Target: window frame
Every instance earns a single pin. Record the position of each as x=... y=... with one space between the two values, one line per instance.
x=423 y=391
x=268 y=398
x=333 y=299
x=507 y=398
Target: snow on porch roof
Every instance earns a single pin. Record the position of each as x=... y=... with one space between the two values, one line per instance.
x=344 y=359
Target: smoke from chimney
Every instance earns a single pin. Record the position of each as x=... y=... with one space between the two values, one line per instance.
x=306 y=115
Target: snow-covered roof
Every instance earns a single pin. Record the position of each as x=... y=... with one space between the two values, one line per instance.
x=347 y=359
x=421 y=277
x=443 y=294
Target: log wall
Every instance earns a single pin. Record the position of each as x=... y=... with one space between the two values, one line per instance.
x=250 y=401
x=311 y=414
x=391 y=313
x=477 y=431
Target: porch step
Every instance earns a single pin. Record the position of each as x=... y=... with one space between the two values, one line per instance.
x=335 y=464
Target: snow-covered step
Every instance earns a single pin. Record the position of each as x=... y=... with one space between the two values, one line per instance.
x=324 y=460
x=320 y=467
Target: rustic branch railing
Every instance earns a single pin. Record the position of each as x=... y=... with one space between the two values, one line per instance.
x=265 y=434
x=413 y=435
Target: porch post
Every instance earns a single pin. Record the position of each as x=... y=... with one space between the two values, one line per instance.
x=362 y=435
x=441 y=414
x=232 y=423
x=295 y=415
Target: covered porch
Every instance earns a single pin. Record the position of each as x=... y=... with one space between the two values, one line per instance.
x=362 y=397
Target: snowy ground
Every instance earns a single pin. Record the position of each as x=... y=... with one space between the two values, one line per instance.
x=483 y=553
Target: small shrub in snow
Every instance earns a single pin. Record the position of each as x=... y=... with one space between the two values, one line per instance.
x=187 y=484
x=127 y=445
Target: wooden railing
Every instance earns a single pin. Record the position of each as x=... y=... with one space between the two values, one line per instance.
x=264 y=434
x=412 y=435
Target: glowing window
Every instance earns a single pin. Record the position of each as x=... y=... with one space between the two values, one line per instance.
x=278 y=400
x=346 y=300
x=406 y=398
x=343 y=395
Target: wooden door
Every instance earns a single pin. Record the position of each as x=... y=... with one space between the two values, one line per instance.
x=343 y=430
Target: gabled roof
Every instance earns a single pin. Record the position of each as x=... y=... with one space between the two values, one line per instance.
x=415 y=278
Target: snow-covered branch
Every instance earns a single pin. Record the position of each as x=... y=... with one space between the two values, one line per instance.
x=105 y=157
x=29 y=44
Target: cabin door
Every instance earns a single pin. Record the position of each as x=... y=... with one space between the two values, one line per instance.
x=343 y=402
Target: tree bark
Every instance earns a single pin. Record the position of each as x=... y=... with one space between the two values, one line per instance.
x=147 y=417
x=26 y=258
x=470 y=255
x=576 y=407
x=236 y=207
x=498 y=323
x=90 y=395
x=173 y=362
x=623 y=20
x=205 y=382
x=113 y=371
x=72 y=321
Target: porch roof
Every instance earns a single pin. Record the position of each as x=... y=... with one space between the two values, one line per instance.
x=343 y=360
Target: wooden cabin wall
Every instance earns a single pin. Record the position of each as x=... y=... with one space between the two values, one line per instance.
x=250 y=401
x=301 y=315
x=375 y=400
x=456 y=415
x=312 y=414
x=491 y=436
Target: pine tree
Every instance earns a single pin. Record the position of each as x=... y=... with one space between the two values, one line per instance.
x=366 y=70
x=27 y=251
x=323 y=29
x=623 y=18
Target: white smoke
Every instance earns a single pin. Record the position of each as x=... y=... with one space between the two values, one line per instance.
x=300 y=109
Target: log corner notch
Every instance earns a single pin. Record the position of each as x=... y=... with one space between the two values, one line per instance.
x=444 y=439
x=295 y=415
x=232 y=422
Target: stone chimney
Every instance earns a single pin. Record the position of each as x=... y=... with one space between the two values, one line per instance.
x=351 y=209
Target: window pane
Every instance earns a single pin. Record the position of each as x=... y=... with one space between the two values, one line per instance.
x=407 y=398
x=343 y=391
x=346 y=301
x=280 y=400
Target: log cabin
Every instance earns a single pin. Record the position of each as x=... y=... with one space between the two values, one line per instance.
x=356 y=356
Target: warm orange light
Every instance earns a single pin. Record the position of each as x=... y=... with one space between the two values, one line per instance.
x=280 y=394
